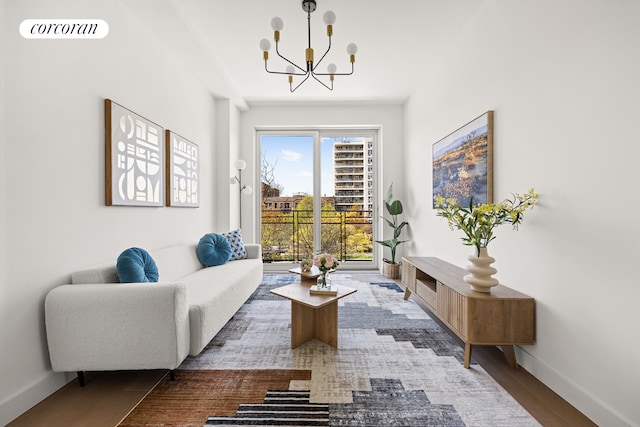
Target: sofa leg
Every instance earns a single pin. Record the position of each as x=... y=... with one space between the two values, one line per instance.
x=81 y=378
x=172 y=375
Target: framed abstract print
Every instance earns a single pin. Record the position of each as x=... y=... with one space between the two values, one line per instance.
x=134 y=158
x=183 y=171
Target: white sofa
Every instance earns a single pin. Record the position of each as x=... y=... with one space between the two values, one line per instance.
x=99 y=324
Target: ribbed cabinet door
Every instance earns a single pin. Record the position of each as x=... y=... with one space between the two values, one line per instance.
x=409 y=275
x=452 y=308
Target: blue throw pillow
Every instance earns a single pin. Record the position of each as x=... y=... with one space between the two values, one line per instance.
x=213 y=249
x=135 y=265
x=237 y=246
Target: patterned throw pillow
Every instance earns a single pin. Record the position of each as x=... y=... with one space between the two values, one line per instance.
x=237 y=247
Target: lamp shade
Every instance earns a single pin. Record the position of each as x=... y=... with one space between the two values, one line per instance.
x=240 y=164
x=247 y=190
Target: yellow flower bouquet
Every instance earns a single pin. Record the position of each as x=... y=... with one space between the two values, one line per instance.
x=478 y=221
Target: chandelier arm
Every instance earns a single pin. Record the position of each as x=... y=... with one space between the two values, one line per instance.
x=323 y=55
x=293 y=89
x=322 y=83
x=282 y=72
x=290 y=62
x=337 y=74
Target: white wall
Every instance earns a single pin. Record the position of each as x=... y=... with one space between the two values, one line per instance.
x=222 y=155
x=227 y=144
x=562 y=78
x=53 y=215
x=388 y=117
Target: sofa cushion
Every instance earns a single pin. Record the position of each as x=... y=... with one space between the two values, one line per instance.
x=135 y=265
x=237 y=246
x=210 y=307
x=213 y=249
x=176 y=261
x=106 y=273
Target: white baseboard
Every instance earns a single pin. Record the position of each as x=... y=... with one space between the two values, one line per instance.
x=599 y=412
x=27 y=397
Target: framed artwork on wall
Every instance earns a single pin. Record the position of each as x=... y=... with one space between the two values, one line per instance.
x=463 y=163
x=183 y=171
x=134 y=158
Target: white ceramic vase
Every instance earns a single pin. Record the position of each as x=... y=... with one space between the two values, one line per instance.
x=480 y=271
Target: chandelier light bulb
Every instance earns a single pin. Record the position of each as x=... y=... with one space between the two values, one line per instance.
x=352 y=49
x=331 y=68
x=329 y=17
x=240 y=164
x=265 y=45
x=277 y=24
x=290 y=69
x=247 y=190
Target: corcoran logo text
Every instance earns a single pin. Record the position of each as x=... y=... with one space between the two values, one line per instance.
x=64 y=28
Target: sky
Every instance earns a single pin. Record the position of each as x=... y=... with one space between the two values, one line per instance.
x=293 y=160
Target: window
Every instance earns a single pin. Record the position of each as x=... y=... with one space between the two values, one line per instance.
x=321 y=172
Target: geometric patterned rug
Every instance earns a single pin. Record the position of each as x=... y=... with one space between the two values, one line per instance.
x=394 y=366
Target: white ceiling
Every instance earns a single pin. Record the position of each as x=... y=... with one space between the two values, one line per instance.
x=399 y=41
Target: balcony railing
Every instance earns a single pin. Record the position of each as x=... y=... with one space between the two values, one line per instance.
x=287 y=236
x=339 y=163
x=350 y=147
x=349 y=155
x=348 y=178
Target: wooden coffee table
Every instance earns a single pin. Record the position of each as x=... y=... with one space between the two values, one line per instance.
x=313 y=316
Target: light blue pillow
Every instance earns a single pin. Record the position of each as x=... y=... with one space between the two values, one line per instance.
x=135 y=265
x=237 y=246
x=213 y=249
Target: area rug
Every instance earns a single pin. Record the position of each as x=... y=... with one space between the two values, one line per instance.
x=394 y=366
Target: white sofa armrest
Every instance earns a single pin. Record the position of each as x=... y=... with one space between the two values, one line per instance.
x=254 y=251
x=117 y=326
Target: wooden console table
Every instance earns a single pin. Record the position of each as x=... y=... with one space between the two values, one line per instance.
x=504 y=317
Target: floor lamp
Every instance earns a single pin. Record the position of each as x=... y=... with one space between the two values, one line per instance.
x=241 y=165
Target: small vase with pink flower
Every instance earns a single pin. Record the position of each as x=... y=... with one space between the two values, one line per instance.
x=326 y=263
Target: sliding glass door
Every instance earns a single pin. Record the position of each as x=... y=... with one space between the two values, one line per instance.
x=318 y=194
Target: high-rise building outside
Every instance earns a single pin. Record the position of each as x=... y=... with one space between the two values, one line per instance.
x=353 y=173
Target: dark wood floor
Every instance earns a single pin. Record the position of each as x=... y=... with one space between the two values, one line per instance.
x=105 y=400
x=109 y=396
x=541 y=402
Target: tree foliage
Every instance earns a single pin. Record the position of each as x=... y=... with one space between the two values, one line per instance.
x=289 y=235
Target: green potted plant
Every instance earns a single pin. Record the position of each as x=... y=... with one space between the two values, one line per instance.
x=394 y=209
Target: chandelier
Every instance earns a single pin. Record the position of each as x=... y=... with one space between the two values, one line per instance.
x=310 y=69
